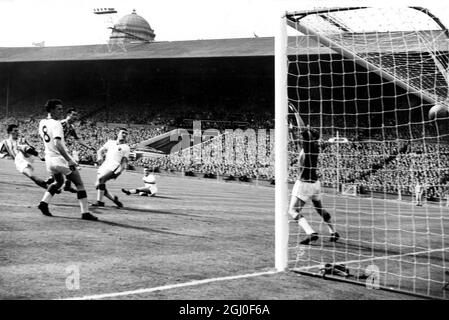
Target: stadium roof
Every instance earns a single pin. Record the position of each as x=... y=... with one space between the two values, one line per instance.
x=243 y=47
x=155 y=50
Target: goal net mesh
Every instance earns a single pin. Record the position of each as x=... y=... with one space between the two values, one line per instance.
x=370 y=76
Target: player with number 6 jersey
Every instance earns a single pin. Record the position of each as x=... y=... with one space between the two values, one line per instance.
x=58 y=161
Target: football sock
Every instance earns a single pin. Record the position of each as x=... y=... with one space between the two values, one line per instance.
x=82 y=199
x=302 y=222
x=100 y=195
x=47 y=197
x=100 y=192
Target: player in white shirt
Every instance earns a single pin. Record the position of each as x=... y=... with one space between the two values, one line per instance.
x=150 y=188
x=419 y=191
x=113 y=157
x=22 y=153
x=58 y=161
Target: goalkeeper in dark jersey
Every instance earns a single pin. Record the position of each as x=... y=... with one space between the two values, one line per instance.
x=308 y=187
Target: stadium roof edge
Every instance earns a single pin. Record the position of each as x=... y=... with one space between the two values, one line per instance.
x=207 y=48
x=153 y=42
x=214 y=48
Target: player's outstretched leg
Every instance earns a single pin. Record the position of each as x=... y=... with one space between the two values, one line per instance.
x=68 y=187
x=102 y=192
x=100 y=185
x=48 y=195
x=114 y=199
x=139 y=191
x=147 y=192
x=29 y=173
x=334 y=236
x=81 y=195
x=294 y=211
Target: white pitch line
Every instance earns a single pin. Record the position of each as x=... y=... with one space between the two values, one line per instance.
x=170 y=286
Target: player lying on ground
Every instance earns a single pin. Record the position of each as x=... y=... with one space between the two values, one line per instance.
x=150 y=188
x=58 y=161
x=309 y=187
x=112 y=165
x=22 y=153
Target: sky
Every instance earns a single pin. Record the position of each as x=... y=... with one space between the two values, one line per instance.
x=72 y=22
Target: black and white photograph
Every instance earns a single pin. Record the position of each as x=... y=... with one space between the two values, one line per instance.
x=236 y=152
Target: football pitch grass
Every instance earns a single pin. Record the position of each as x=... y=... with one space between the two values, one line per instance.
x=193 y=241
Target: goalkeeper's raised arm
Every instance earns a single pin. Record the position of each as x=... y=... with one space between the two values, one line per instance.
x=295 y=123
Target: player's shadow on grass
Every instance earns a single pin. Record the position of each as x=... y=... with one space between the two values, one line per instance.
x=65 y=205
x=132 y=209
x=146 y=229
x=127 y=226
x=156 y=196
x=101 y=210
x=164 y=197
x=27 y=185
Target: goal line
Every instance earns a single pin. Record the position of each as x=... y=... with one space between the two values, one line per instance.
x=170 y=286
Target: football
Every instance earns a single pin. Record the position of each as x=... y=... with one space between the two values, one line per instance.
x=439 y=111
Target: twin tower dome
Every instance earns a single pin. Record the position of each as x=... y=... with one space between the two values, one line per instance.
x=132 y=28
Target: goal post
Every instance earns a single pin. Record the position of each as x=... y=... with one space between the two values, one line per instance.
x=369 y=76
x=281 y=151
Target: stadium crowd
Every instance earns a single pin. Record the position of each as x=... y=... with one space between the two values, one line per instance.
x=384 y=159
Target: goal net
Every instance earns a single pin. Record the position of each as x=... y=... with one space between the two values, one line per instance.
x=370 y=75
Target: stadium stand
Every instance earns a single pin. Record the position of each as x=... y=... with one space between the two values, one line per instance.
x=390 y=166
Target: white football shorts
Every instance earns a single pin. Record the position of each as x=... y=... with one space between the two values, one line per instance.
x=307 y=190
x=22 y=163
x=107 y=168
x=152 y=188
x=57 y=165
